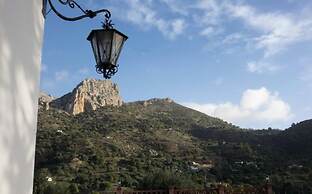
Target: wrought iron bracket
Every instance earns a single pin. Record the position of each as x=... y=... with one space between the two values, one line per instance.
x=73 y=4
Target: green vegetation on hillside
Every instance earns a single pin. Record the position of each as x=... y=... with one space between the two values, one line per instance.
x=164 y=144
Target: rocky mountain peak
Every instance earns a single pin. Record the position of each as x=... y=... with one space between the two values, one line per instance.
x=90 y=94
x=44 y=100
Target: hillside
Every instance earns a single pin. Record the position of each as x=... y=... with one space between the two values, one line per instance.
x=297 y=140
x=96 y=150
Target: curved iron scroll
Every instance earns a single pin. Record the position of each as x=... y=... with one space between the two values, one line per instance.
x=107 y=70
x=86 y=13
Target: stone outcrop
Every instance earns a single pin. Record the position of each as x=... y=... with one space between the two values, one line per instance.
x=45 y=100
x=89 y=95
x=157 y=100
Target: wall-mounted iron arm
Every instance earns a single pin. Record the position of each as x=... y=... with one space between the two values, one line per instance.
x=73 y=4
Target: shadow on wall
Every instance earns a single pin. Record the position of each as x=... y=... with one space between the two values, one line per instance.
x=21 y=31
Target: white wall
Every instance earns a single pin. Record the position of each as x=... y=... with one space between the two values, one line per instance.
x=21 y=31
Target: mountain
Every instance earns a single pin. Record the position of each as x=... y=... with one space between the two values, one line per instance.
x=137 y=143
x=89 y=95
x=297 y=140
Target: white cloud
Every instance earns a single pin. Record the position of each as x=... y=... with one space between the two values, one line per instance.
x=211 y=14
x=255 y=99
x=178 y=26
x=233 y=38
x=275 y=31
x=61 y=75
x=261 y=67
x=279 y=30
x=141 y=13
x=177 y=6
x=210 y=31
x=145 y=14
x=207 y=31
x=257 y=108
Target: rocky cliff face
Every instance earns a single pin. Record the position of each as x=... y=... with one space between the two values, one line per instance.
x=44 y=100
x=89 y=95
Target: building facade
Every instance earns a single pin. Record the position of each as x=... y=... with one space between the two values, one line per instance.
x=21 y=36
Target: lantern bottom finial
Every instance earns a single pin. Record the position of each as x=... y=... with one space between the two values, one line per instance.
x=107 y=69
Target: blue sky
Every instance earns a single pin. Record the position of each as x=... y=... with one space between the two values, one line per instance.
x=248 y=62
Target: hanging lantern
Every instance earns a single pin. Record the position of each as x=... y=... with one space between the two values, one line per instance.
x=107 y=44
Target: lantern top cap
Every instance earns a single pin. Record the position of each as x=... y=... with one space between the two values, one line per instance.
x=110 y=29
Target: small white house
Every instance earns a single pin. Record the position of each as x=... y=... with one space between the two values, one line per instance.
x=49 y=179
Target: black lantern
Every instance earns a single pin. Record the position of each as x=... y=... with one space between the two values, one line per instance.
x=107 y=44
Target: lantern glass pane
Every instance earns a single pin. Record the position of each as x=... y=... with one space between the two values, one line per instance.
x=118 y=41
x=104 y=44
x=95 y=48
